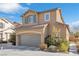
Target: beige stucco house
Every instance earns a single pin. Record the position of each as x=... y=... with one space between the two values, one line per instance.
x=6 y=28
x=36 y=26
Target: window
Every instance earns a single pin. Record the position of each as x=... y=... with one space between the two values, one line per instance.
x=47 y=16
x=26 y=20
x=29 y=19
x=23 y=20
x=32 y=19
x=1 y=25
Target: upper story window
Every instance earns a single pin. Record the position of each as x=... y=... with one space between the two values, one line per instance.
x=47 y=16
x=30 y=19
x=1 y=25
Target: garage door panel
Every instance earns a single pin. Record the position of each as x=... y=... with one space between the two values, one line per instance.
x=30 y=40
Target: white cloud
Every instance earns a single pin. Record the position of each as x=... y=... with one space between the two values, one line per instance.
x=74 y=26
x=10 y=7
x=75 y=23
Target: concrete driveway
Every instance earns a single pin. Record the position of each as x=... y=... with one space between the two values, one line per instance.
x=9 y=46
x=9 y=50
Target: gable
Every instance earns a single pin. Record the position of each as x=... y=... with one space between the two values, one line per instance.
x=29 y=12
x=59 y=16
x=6 y=23
x=2 y=20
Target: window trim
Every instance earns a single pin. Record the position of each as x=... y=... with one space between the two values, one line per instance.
x=45 y=14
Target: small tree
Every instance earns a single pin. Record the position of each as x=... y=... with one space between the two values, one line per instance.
x=53 y=39
x=13 y=38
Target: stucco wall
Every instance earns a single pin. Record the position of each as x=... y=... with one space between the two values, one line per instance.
x=63 y=31
x=58 y=16
x=55 y=16
x=67 y=34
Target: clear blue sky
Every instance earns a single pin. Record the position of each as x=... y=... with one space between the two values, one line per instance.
x=70 y=12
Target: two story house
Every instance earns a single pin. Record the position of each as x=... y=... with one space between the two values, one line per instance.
x=6 y=28
x=36 y=26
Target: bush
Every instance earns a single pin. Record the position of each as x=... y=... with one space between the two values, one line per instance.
x=53 y=41
x=13 y=38
x=64 y=46
x=61 y=44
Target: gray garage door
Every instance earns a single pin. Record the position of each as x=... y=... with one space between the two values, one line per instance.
x=30 y=40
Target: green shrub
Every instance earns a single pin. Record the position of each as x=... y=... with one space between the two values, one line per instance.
x=52 y=41
x=60 y=43
x=64 y=46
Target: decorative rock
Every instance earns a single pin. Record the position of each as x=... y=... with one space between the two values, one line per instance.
x=52 y=48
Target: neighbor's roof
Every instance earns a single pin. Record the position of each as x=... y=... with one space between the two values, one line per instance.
x=16 y=24
x=6 y=20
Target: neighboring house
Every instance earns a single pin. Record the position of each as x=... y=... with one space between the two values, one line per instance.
x=15 y=24
x=6 y=28
x=36 y=26
x=74 y=38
